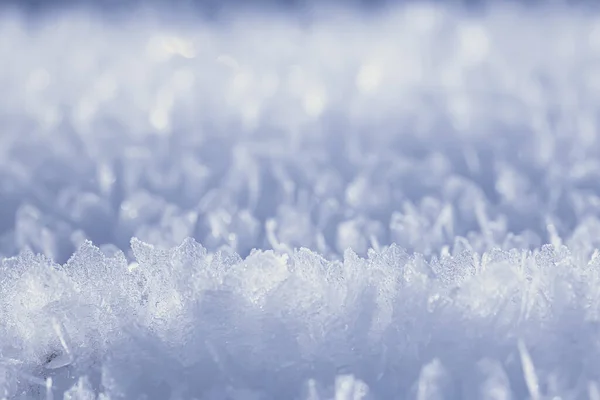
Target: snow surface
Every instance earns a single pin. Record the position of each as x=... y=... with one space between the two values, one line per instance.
x=421 y=187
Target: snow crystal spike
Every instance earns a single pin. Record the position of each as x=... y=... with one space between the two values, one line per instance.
x=530 y=375
x=56 y=359
x=49 y=394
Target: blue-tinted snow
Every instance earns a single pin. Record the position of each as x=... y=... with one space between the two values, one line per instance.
x=399 y=204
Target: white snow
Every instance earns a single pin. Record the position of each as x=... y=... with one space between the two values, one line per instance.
x=269 y=205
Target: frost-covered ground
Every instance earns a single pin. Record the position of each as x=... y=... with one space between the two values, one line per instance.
x=330 y=205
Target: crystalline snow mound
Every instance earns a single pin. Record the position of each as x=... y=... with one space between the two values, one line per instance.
x=268 y=322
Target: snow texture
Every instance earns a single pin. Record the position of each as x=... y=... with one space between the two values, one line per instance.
x=334 y=204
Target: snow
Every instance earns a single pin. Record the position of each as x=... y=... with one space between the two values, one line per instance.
x=335 y=204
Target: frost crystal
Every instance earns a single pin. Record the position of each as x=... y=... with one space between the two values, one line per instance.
x=327 y=203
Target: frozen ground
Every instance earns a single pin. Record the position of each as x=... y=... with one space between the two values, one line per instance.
x=422 y=186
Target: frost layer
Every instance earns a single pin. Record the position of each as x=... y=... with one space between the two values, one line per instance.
x=185 y=323
x=444 y=149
